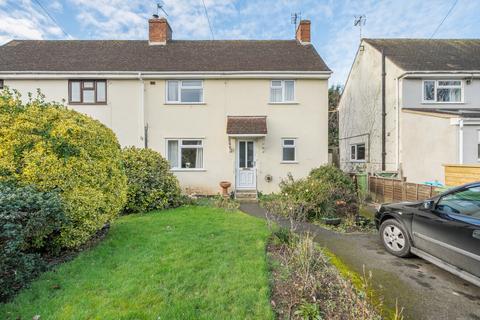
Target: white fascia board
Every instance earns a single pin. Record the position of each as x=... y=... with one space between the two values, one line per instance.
x=440 y=73
x=321 y=75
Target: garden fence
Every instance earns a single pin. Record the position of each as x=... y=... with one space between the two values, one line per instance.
x=395 y=190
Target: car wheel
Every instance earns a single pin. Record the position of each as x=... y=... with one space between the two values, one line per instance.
x=395 y=238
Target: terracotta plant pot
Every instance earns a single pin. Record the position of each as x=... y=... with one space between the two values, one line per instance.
x=225 y=185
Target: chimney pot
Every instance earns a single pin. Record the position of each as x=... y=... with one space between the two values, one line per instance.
x=159 y=31
x=303 y=32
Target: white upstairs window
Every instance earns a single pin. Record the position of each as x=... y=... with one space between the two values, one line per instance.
x=442 y=91
x=282 y=91
x=184 y=91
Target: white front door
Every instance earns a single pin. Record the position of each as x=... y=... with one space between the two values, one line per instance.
x=246 y=174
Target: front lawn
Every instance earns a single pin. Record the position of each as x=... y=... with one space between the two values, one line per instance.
x=186 y=263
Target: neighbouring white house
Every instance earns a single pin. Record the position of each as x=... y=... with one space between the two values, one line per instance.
x=244 y=111
x=410 y=106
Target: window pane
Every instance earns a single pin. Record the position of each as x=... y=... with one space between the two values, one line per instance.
x=191 y=95
x=1 y=84
x=275 y=94
x=250 y=154
x=88 y=96
x=191 y=142
x=88 y=84
x=449 y=83
x=289 y=91
x=465 y=202
x=101 y=92
x=173 y=153
x=192 y=157
x=191 y=83
x=288 y=142
x=353 y=154
x=289 y=154
x=241 y=154
x=429 y=91
x=172 y=88
x=449 y=95
x=361 y=152
x=75 y=91
x=276 y=83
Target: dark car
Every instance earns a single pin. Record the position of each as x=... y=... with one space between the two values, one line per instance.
x=444 y=230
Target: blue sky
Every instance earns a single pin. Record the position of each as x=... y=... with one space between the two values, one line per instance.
x=333 y=33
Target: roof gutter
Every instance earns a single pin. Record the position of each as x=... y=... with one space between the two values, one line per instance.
x=165 y=75
x=440 y=73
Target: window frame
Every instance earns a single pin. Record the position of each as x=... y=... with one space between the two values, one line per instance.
x=354 y=146
x=435 y=88
x=293 y=101
x=179 y=152
x=179 y=91
x=82 y=88
x=292 y=146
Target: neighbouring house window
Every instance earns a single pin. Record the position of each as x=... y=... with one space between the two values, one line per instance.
x=185 y=153
x=184 y=91
x=282 y=91
x=87 y=92
x=288 y=150
x=357 y=152
x=1 y=84
x=442 y=91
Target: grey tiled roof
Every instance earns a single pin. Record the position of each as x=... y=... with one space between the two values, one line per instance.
x=176 y=55
x=431 y=55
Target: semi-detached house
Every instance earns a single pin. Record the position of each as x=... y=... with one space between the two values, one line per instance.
x=248 y=112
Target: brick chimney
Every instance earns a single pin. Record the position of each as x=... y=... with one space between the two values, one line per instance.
x=159 y=31
x=303 y=32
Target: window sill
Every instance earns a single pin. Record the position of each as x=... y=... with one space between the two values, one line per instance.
x=87 y=104
x=289 y=162
x=284 y=103
x=185 y=103
x=188 y=170
x=442 y=102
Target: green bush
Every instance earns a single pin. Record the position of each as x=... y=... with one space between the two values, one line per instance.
x=151 y=184
x=332 y=175
x=326 y=192
x=29 y=221
x=53 y=148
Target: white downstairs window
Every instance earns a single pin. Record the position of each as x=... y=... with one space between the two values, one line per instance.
x=289 y=153
x=185 y=153
x=184 y=91
x=282 y=91
x=442 y=91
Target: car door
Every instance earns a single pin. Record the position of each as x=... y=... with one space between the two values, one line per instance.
x=451 y=230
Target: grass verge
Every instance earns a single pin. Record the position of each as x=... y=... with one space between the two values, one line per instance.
x=186 y=263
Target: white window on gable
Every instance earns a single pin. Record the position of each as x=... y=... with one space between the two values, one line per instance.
x=282 y=91
x=185 y=153
x=288 y=150
x=184 y=91
x=443 y=91
x=357 y=152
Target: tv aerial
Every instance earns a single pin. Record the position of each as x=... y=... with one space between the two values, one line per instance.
x=360 y=22
x=160 y=6
x=296 y=16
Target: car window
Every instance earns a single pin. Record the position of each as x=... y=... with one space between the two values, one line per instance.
x=465 y=202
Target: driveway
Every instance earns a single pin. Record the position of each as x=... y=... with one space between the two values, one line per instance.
x=424 y=290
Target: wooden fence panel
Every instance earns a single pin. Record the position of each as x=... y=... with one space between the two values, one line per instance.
x=395 y=190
